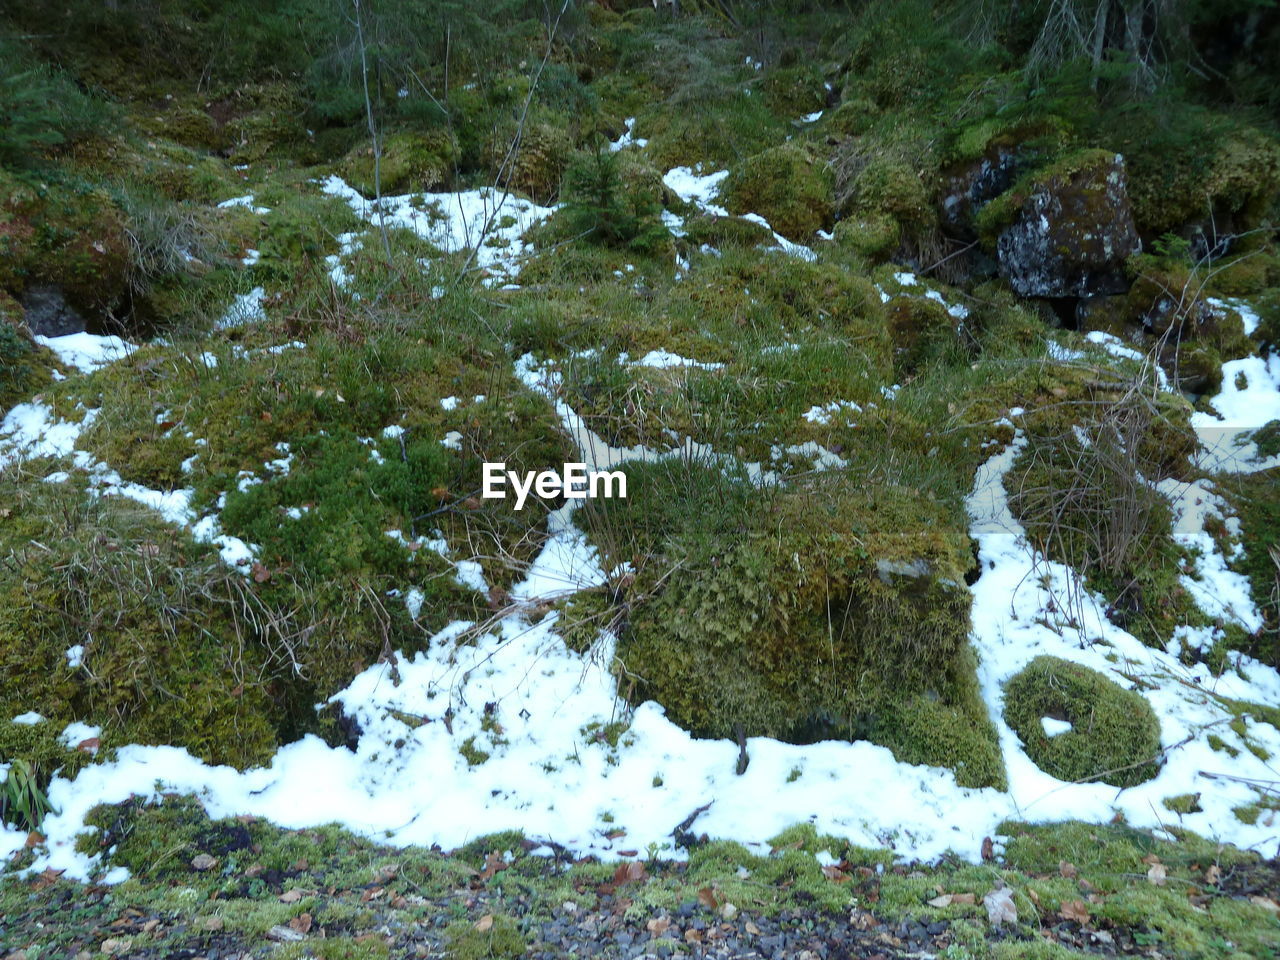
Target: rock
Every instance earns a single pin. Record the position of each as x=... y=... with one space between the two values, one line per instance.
x=969 y=189
x=1073 y=231
x=1110 y=314
x=47 y=313
x=202 y=861
x=282 y=934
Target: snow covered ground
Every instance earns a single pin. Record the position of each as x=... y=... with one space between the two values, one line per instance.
x=547 y=775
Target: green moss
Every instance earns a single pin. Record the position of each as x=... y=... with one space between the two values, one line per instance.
x=1183 y=803
x=498 y=937
x=409 y=162
x=22 y=372
x=787 y=185
x=1115 y=736
x=1003 y=210
x=869 y=235
x=816 y=608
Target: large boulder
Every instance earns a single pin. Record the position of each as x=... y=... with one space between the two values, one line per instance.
x=1072 y=230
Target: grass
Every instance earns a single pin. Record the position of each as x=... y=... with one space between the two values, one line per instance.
x=361 y=893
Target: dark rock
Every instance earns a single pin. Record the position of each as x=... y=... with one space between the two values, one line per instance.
x=969 y=189
x=47 y=313
x=1110 y=314
x=1073 y=232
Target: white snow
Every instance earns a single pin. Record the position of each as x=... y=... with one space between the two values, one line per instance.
x=1053 y=727
x=455 y=221
x=627 y=139
x=1249 y=399
x=87 y=352
x=245 y=308
x=245 y=201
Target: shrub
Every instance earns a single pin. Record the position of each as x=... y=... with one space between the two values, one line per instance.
x=1114 y=735
x=608 y=206
x=40 y=109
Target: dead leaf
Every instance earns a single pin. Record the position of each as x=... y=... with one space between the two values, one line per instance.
x=629 y=872
x=658 y=926
x=212 y=923
x=999 y=904
x=301 y=923
x=707 y=897
x=988 y=849
x=115 y=945
x=291 y=896
x=1065 y=869
x=693 y=936
x=614 y=834
x=260 y=573
x=34 y=839
x=89 y=745
x=835 y=873
x=1074 y=910
x=1035 y=897
x=151 y=926
x=1151 y=858
x=387 y=872
x=202 y=861
x=966 y=898
x=373 y=893
x=751 y=928
x=1265 y=902
x=485 y=923
x=942 y=901
x=1156 y=874
x=1213 y=874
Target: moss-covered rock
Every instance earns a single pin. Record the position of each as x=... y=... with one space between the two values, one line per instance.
x=1070 y=228
x=22 y=370
x=788 y=186
x=410 y=162
x=1114 y=735
x=823 y=611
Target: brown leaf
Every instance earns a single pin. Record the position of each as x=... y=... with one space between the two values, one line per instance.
x=89 y=744
x=373 y=893
x=399 y=902
x=212 y=923
x=291 y=896
x=1265 y=902
x=707 y=897
x=988 y=849
x=657 y=926
x=34 y=839
x=942 y=901
x=833 y=872
x=615 y=833
x=301 y=923
x=629 y=872
x=1066 y=869
x=387 y=872
x=1150 y=859
x=260 y=573
x=968 y=899
x=751 y=928
x=693 y=936
x=1156 y=874
x=1074 y=910
x=485 y=923
x=1035 y=897
x=1213 y=874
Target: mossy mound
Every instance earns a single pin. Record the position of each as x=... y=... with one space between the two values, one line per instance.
x=1114 y=735
x=824 y=610
x=22 y=371
x=409 y=162
x=788 y=186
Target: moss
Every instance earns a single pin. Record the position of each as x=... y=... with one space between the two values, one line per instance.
x=1115 y=736
x=1183 y=803
x=869 y=235
x=1004 y=209
x=922 y=332
x=22 y=372
x=497 y=937
x=787 y=185
x=540 y=163
x=410 y=162
x=814 y=608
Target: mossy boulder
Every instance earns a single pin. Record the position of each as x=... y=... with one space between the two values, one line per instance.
x=410 y=162
x=1114 y=735
x=825 y=610
x=869 y=235
x=540 y=161
x=1071 y=228
x=788 y=186
x=921 y=329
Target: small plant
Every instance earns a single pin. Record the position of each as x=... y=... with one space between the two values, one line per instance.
x=22 y=801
